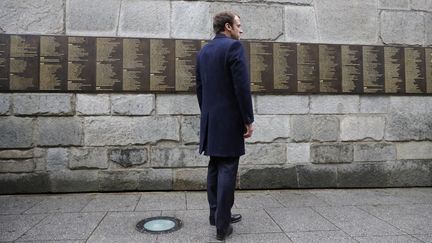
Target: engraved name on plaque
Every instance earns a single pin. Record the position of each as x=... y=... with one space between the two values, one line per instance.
x=394 y=70
x=81 y=63
x=307 y=68
x=373 y=69
x=428 y=60
x=162 y=65
x=330 y=69
x=261 y=66
x=4 y=62
x=53 y=63
x=414 y=70
x=285 y=67
x=24 y=62
x=109 y=53
x=186 y=51
x=136 y=64
x=352 y=69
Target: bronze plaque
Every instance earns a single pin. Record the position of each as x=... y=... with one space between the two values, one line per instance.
x=136 y=64
x=186 y=51
x=162 y=65
x=109 y=54
x=307 y=68
x=330 y=75
x=261 y=66
x=285 y=67
x=352 y=69
x=394 y=70
x=81 y=63
x=53 y=63
x=24 y=62
x=428 y=59
x=373 y=69
x=4 y=62
x=415 y=79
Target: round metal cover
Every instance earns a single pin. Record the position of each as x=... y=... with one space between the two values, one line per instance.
x=159 y=225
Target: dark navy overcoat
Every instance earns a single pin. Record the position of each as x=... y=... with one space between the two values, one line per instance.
x=224 y=97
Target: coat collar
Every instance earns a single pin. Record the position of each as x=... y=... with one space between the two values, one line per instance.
x=220 y=36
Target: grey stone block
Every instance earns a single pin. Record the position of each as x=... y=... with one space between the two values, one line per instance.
x=42 y=104
x=145 y=19
x=404 y=27
x=98 y=17
x=253 y=17
x=261 y=154
x=54 y=131
x=393 y=4
x=428 y=22
x=301 y=24
x=268 y=128
x=402 y=127
x=93 y=104
x=268 y=177
x=88 y=158
x=409 y=173
x=362 y=127
x=26 y=16
x=298 y=152
x=340 y=22
x=57 y=159
x=5 y=104
x=425 y=5
x=190 y=126
x=362 y=175
x=74 y=181
x=40 y=159
x=179 y=156
x=17 y=165
x=331 y=104
x=190 y=179
x=312 y=176
x=374 y=152
x=16 y=132
x=296 y=2
x=16 y=154
x=155 y=180
x=325 y=128
x=24 y=183
x=410 y=104
x=185 y=25
x=119 y=180
x=414 y=150
x=100 y=131
x=331 y=153
x=128 y=157
x=177 y=104
x=132 y=104
x=278 y=104
x=301 y=128
x=374 y=104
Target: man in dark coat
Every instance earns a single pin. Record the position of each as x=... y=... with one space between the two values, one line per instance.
x=223 y=90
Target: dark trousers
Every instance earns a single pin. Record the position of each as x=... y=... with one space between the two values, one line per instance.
x=221 y=179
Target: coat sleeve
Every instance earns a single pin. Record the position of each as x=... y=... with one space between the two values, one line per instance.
x=198 y=82
x=241 y=82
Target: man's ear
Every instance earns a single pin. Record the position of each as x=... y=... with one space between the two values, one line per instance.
x=228 y=26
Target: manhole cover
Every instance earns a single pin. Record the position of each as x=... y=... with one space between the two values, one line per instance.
x=159 y=225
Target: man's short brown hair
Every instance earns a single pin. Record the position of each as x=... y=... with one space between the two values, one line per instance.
x=220 y=19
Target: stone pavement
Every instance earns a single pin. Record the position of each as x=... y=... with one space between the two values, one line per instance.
x=324 y=215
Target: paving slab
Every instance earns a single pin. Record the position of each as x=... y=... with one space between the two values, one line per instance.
x=255 y=200
x=13 y=226
x=425 y=238
x=63 y=203
x=53 y=241
x=162 y=201
x=388 y=239
x=15 y=205
x=298 y=198
x=196 y=200
x=336 y=236
x=112 y=202
x=255 y=221
x=258 y=238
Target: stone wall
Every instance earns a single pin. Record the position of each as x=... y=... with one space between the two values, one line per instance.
x=59 y=142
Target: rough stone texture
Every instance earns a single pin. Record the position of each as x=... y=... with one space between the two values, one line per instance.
x=88 y=158
x=311 y=176
x=253 y=18
x=24 y=183
x=132 y=104
x=270 y=177
x=57 y=159
x=393 y=4
x=42 y=104
x=27 y=16
x=414 y=150
x=93 y=104
x=119 y=180
x=178 y=156
x=425 y=5
x=332 y=153
x=149 y=19
x=14 y=165
x=362 y=127
x=40 y=159
x=315 y=128
x=297 y=2
x=406 y=173
x=300 y=24
x=190 y=126
x=410 y=104
x=16 y=154
x=261 y=154
x=322 y=104
x=5 y=104
x=155 y=180
x=402 y=127
x=268 y=128
x=16 y=132
x=190 y=179
x=185 y=25
x=99 y=17
x=129 y=157
x=362 y=175
x=374 y=104
x=341 y=21
x=402 y=27
x=281 y=104
x=177 y=104
x=428 y=22
x=298 y=152
x=54 y=131
x=100 y=131
x=74 y=181
x=374 y=152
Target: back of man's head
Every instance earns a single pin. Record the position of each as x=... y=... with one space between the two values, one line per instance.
x=222 y=18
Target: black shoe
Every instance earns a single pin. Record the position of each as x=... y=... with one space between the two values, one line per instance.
x=234 y=219
x=222 y=234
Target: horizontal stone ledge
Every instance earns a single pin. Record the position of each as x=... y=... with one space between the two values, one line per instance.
x=182 y=156
x=16 y=154
x=190 y=179
x=14 y=165
x=331 y=153
x=42 y=104
x=269 y=177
